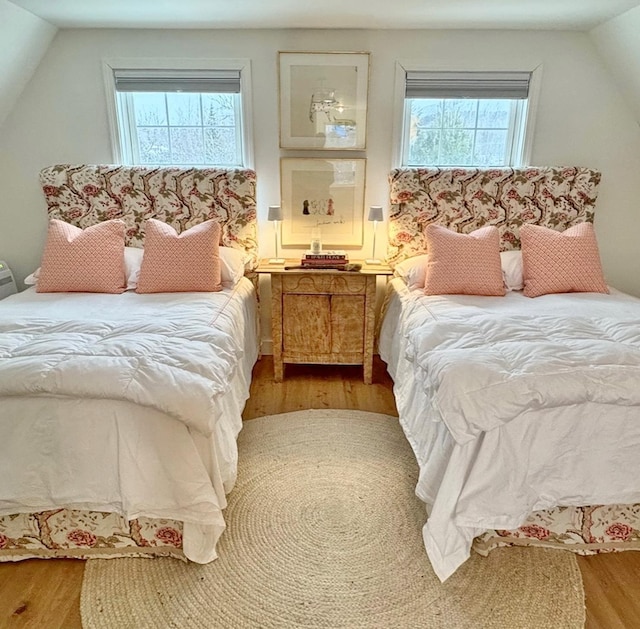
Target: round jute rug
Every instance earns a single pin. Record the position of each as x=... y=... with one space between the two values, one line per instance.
x=324 y=531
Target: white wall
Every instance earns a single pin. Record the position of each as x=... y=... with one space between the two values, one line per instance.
x=618 y=41
x=582 y=118
x=24 y=39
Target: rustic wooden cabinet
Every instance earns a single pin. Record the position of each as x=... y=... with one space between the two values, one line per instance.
x=323 y=316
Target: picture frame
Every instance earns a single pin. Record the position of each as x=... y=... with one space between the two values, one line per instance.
x=323 y=100
x=325 y=195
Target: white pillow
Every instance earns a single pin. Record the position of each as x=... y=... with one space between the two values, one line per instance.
x=232 y=266
x=512 y=269
x=132 y=263
x=414 y=270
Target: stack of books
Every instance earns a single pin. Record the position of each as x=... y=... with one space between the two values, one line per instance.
x=324 y=259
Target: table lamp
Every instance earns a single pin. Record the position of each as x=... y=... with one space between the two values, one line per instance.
x=375 y=215
x=275 y=216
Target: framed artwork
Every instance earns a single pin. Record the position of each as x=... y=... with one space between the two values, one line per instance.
x=325 y=195
x=323 y=100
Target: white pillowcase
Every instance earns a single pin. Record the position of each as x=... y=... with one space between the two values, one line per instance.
x=414 y=270
x=132 y=264
x=512 y=269
x=232 y=266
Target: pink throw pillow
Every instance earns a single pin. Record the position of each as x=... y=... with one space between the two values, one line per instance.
x=463 y=264
x=83 y=261
x=561 y=262
x=175 y=263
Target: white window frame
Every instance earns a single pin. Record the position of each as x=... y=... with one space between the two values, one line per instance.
x=522 y=148
x=245 y=129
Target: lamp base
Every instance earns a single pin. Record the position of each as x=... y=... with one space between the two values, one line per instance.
x=373 y=261
x=277 y=260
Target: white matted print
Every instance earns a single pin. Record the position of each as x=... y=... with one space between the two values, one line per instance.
x=324 y=194
x=323 y=100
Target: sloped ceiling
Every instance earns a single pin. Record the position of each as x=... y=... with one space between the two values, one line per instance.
x=25 y=39
x=618 y=42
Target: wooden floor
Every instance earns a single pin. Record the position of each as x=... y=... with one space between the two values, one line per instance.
x=46 y=593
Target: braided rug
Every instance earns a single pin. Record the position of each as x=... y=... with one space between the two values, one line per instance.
x=324 y=531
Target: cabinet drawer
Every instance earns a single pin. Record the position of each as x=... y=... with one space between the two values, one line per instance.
x=320 y=284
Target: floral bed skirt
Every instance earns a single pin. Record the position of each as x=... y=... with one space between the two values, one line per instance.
x=86 y=534
x=583 y=530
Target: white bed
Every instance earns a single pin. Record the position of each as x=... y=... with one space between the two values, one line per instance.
x=119 y=412
x=541 y=452
x=523 y=413
x=110 y=430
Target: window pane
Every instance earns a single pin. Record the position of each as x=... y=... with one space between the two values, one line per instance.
x=426 y=112
x=184 y=109
x=220 y=146
x=491 y=148
x=219 y=109
x=153 y=143
x=456 y=147
x=186 y=146
x=425 y=146
x=150 y=108
x=183 y=129
x=463 y=131
x=494 y=114
x=460 y=113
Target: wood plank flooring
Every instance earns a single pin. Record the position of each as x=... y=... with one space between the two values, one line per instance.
x=45 y=594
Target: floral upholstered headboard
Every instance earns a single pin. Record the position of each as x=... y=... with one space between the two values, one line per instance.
x=464 y=199
x=182 y=197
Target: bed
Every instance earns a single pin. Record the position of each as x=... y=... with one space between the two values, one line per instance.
x=523 y=414
x=120 y=412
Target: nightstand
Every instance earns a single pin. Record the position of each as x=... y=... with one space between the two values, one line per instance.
x=323 y=316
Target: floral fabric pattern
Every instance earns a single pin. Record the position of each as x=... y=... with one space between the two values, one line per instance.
x=465 y=199
x=182 y=197
x=583 y=530
x=83 y=534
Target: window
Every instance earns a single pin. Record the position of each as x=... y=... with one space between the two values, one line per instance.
x=464 y=118
x=180 y=117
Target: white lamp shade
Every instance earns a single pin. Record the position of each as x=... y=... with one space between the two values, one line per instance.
x=275 y=213
x=375 y=213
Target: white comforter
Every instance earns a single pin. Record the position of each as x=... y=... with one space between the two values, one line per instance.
x=170 y=358
x=127 y=403
x=513 y=405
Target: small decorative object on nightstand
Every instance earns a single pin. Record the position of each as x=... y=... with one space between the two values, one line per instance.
x=275 y=216
x=323 y=316
x=316 y=241
x=375 y=215
x=7 y=283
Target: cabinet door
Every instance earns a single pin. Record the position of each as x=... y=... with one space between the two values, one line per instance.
x=306 y=324
x=347 y=324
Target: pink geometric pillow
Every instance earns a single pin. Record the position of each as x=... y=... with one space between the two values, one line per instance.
x=561 y=262
x=83 y=261
x=463 y=264
x=182 y=263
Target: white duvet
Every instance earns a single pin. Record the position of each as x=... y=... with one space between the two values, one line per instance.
x=127 y=403
x=513 y=405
